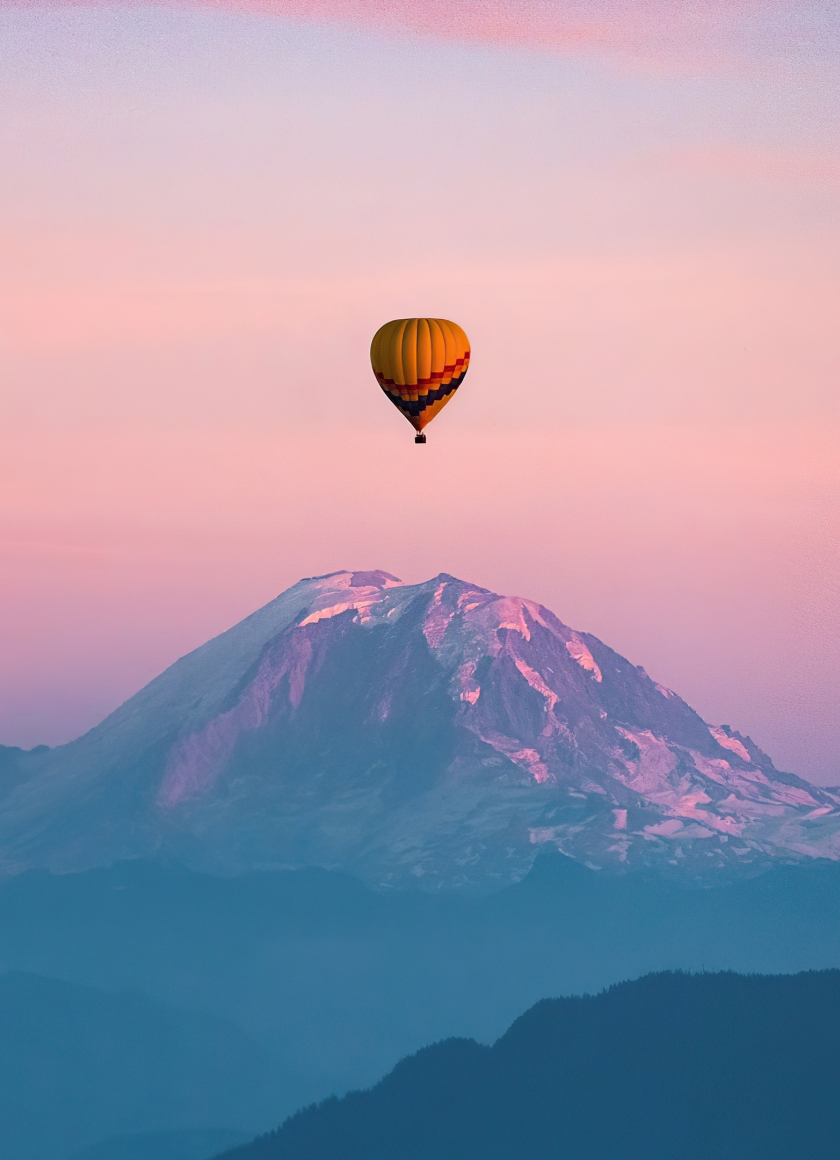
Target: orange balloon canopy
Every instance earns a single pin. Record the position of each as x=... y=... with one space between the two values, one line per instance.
x=419 y=364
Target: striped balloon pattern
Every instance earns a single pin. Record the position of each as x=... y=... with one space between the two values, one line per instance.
x=419 y=364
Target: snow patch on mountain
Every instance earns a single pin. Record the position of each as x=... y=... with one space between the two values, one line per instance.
x=722 y=737
x=577 y=649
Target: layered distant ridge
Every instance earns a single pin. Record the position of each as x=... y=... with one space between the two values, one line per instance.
x=435 y=733
x=669 y=1067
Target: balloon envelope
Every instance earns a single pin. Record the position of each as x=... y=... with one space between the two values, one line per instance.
x=419 y=364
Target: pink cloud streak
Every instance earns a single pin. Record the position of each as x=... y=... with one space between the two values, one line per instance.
x=645 y=26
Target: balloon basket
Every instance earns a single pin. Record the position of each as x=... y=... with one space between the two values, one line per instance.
x=419 y=437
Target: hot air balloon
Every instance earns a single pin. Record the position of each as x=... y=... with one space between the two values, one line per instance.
x=419 y=364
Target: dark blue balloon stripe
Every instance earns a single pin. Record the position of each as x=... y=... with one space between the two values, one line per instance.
x=409 y=407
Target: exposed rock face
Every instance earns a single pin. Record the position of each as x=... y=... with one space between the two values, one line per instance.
x=433 y=733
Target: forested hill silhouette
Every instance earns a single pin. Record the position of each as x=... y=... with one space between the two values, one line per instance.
x=670 y=1067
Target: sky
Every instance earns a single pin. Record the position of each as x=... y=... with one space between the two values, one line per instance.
x=206 y=210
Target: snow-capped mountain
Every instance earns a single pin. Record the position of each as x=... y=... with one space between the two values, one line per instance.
x=434 y=733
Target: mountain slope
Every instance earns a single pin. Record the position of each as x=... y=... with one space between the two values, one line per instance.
x=78 y=1064
x=433 y=733
x=671 y=1067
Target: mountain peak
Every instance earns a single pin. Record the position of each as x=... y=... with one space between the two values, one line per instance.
x=346 y=579
x=438 y=733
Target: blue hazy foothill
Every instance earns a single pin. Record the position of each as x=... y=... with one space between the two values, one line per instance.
x=334 y=982
x=671 y=1067
x=78 y=1063
x=198 y=1144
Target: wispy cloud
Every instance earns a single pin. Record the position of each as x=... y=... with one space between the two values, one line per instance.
x=651 y=28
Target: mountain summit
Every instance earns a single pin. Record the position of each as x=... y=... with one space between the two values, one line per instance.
x=432 y=733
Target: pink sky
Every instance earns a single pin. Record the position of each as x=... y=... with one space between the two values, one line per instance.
x=650 y=29
x=209 y=213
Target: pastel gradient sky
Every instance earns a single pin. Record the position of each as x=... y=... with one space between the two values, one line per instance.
x=632 y=208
